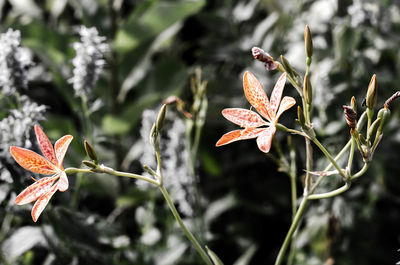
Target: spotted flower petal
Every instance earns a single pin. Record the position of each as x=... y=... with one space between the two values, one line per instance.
x=237 y=135
x=45 y=145
x=63 y=182
x=34 y=191
x=255 y=94
x=61 y=147
x=243 y=117
x=264 y=139
x=287 y=103
x=41 y=203
x=276 y=94
x=32 y=161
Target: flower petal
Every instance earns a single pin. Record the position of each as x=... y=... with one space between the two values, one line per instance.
x=276 y=94
x=45 y=145
x=264 y=139
x=255 y=94
x=237 y=135
x=287 y=103
x=243 y=117
x=63 y=182
x=42 y=202
x=61 y=147
x=34 y=191
x=32 y=161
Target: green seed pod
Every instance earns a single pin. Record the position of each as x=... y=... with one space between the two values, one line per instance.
x=308 y=42
x=372 y=93
x=307 y=89
x=90 y=151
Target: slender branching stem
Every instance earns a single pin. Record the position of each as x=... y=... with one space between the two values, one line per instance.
x=351 y=156
x=292 y=229
x=188 y=234
x=361 y=172
x=330 y=194
x=328 y=155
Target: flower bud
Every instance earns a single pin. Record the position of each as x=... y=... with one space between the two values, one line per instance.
x=90 y=151
x=374 y=126
x=372 y=93
x=351 y=117
x=384 y=115
x=300 y=117
x=353 y=104
x=89 y=164
x=161 y=117
x=260 y=55
x=307 y=89
x=308 y=42
x=288 y=67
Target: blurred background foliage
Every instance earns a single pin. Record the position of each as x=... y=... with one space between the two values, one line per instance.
x=237 y=201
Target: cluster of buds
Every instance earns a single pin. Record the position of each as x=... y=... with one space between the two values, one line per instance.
x=365 y=145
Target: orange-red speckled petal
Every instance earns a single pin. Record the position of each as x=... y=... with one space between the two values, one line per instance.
x=41 y=203
x=264 y=139
x=243 y=117
x=61 y=147
x=45 y=145
x=287 y=103
x=237 y=135
x=276 y=94
x=63 y=182
x=32 y=161
x=34 y=191
x=255 y=94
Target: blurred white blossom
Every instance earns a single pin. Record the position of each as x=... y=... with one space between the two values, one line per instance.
x=89 y=60
x=175 y=158
x=15 y=129
x=13 y=62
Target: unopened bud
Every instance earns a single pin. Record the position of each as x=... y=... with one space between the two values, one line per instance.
x=372 y=93
x=288 y=68
x=260 y=55
x=308 y=42
x=374 y=126
x=89 y=164
x=90 y=151
x=300 y=117
x=307 y=89
x=384 y=115
x=351 y=116
x=389 y=101
x=353 y=104
x=161 y=117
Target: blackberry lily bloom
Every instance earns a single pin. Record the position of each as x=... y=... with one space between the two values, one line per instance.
x=51 y=164
x=250 y=120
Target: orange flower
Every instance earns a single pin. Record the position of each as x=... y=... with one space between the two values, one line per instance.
x=250 y=120
x=43 y=189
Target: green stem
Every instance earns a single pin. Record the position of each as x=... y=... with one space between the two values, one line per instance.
x=292 y=229
x=361 y=172
x=330 y=194
x=328 y=155
x=188 y=234
x=351 y=155
x=307 y=181
x=338 y=156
